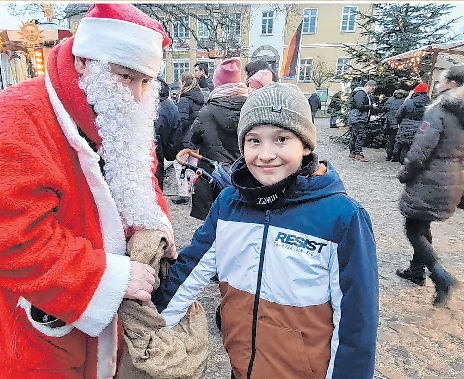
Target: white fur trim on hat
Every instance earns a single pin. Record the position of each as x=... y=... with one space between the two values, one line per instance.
x=120 y=42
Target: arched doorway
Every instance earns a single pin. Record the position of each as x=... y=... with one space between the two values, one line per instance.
x=269 y=54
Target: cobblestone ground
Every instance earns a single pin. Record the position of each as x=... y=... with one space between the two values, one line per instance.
x=415 y=340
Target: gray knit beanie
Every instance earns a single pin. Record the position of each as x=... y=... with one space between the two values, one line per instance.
x=279 y=104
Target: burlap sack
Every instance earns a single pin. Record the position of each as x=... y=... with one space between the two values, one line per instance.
x=154 y=351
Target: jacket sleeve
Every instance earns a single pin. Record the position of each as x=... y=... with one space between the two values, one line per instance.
x=184 y=112
x=425 y=141
x=194 y=268
x=401 y=112
x=354 y=291
x=361 y=101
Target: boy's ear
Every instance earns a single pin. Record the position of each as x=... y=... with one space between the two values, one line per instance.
x=306 y=151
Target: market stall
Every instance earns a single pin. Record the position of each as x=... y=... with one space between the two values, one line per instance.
x=432 y=58
x=24 y=52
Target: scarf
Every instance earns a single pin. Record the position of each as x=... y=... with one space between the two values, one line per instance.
x=266 y=196
x=229 y=90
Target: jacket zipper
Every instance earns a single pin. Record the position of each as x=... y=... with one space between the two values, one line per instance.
x=258 y=291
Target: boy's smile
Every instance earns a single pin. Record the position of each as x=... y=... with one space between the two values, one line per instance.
x=272 y=153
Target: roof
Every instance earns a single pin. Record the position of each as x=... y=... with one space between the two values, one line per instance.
x=414 y=57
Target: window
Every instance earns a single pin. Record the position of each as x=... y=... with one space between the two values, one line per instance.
x=343 y=65
x=306 y=66
x=232 y=29
x=205 y=23
x=180 y=30
x=162 y=71
x=309 y=20
x=349 y=19
x=267 y=23
x=179 y=67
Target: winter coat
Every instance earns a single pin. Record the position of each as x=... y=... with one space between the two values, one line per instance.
x=206 y=87
x=391 y=107
x=165 y=126
x=361 y=106
x=409 y=117
x=297 y=282
x=214 y=133
x=189 y=105
x=434 y=166
x=62 y=245
x=314 y=103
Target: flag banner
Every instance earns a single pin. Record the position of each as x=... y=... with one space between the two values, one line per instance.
x=290 y=60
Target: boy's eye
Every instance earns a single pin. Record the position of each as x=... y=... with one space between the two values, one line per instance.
x=125 y=76
x=252 y=140
x=282 y=139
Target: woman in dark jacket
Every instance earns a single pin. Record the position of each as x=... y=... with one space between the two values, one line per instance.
x=191 y=100
x=391 y=122
x=434 y=178
x=409 y=117
x=214 y=132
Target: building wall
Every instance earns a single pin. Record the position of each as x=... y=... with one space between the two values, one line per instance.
x=260 y=43
x=327 y=40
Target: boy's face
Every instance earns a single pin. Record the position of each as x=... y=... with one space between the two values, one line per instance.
x=272 y=153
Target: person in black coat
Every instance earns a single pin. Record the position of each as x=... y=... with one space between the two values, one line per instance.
x=361 y=107
x=214 y=132
x=315 y=104
x=390 y=107
x=191 y=100
x=433 y=175
x=165 y=126
x=200 y=70
x=409 y=117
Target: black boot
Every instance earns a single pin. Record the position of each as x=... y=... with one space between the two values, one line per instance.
x=443 y=283
x=181 y=200
x=415 y=273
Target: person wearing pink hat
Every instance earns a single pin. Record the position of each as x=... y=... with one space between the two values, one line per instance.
x=214 y=131
x=409 y=118
x=259 y=80
x=78 y=162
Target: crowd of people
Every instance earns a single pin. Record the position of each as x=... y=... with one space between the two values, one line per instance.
x=85 y=223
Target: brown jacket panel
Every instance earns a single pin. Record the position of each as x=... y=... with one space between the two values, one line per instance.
x=291 y=342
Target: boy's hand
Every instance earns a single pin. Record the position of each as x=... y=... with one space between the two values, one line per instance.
x=142 y=279
x=171 y=251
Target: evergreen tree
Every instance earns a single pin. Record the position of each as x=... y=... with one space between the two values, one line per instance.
x=395 y=28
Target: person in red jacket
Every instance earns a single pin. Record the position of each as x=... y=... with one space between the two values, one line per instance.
x=77 y=159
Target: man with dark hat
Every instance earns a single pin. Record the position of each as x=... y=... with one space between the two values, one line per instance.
x=78 y=162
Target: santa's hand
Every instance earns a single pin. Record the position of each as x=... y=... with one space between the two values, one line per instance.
x=142 y=278
x=171 y=251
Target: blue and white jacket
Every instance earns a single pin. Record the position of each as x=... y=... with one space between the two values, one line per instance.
x=298 y=279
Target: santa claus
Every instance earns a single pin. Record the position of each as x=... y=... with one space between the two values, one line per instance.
x=77 y=160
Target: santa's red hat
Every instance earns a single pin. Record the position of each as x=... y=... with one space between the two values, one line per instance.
x=121 y=34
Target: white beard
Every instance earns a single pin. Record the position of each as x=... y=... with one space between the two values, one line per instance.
x=126 y=128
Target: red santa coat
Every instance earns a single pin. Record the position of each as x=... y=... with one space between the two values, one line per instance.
x=62 y=241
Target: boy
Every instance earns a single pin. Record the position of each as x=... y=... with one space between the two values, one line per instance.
x=295 y=256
